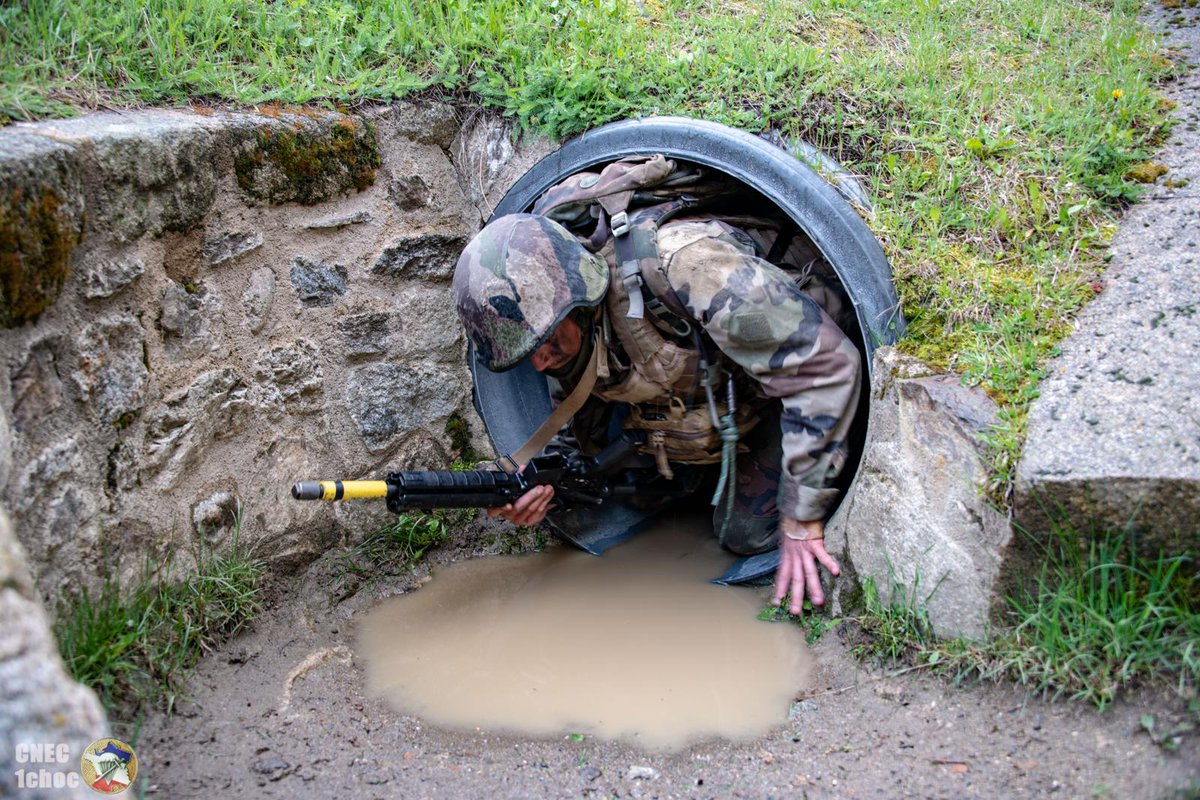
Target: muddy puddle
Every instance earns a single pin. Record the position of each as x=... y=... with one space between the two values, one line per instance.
x=636 y=645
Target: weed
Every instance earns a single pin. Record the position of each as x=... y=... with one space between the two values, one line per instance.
x=1103 y=617
x=395 y=548
x=815 y=625
x=459 y=434
x=135 y=647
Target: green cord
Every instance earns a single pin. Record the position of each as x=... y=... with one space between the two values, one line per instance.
x=727 y=484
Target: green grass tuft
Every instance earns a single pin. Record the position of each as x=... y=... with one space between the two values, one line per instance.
x=1100 y=619
x=1103 y=618
x=395 y=548
x=135 y=646
x=814 y=625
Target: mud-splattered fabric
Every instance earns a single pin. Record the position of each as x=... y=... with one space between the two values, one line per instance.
x=516 y=280
x=758 y=317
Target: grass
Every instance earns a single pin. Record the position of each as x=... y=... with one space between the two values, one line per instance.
x=998 y=136
x=1100 y=619
x=815 y=625
x=395 y=548
x=135 y=647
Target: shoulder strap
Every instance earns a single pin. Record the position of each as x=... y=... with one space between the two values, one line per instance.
x=561 y=415
x=635 y=241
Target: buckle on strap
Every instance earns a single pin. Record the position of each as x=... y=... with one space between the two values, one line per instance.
x=620 y=224
x=633 y=288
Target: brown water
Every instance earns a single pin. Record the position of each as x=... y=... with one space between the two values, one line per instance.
x=635 y=645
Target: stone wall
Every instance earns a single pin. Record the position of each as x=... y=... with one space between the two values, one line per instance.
x=198 y=309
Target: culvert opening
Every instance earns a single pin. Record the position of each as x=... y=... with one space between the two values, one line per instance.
x=543 y=644
x=779 y=181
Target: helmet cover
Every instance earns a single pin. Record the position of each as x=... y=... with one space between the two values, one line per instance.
x=517 y=280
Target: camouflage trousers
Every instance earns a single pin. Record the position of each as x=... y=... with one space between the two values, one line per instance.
x=752 y=525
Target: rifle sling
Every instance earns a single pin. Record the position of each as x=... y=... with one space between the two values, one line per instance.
x=566 y=409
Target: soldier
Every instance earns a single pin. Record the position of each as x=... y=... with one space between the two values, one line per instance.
x=525 y=287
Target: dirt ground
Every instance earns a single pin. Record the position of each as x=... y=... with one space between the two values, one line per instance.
x=280 y=711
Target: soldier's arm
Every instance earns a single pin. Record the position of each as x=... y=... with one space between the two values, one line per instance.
x=759 y=318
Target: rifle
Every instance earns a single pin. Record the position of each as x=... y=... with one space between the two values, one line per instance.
x=617 y=471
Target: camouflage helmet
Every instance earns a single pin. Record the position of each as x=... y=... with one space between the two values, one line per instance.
x=517 y=280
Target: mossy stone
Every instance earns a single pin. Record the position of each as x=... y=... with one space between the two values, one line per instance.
x=308 y=160
x=1147 y=172
x=41 y=224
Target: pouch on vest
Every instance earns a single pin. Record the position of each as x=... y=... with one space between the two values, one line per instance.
x=678 y=433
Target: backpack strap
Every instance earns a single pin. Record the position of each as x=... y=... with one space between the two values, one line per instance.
x=635 y=241
x=562 y=414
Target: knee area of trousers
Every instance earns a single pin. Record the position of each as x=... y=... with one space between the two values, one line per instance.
x=748 y=536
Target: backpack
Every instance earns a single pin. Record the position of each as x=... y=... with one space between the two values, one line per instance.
x=629 y=199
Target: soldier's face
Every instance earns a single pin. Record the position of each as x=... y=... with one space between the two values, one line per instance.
x=560 y=349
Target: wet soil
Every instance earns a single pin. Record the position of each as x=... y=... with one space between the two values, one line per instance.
x=283 y=711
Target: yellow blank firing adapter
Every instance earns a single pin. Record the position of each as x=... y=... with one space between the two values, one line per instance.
x=339 y=490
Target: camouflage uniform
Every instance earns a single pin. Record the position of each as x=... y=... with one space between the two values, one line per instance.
x=521 y=277
x=794 y=351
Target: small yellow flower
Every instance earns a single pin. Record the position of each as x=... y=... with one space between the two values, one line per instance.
x=1118 y=94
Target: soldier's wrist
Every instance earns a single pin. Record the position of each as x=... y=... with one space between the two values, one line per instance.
x=801 y=531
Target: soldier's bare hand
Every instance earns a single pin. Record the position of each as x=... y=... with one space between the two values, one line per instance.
x=529 y=509
x=798 y=559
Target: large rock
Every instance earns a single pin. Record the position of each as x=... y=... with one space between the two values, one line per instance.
x=111 y=374
x=916 y=517
x=291 y=379
x=230 y=245
x=58 y=503
x=258 y=298
x=106 y=277
x=317 y=283
x=217 y=517
x=306 y=160
x=428 y=256
x=37 y=384
x=490 y=159
x=41 y=223
x=39 y=702
x=154 y=172
x=369 y=333
x=430 y=326
x=297 y=532
x=410 y=192
x=426 y=123
x=190 y=316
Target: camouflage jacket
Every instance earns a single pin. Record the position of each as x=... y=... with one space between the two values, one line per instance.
x=783 y=339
